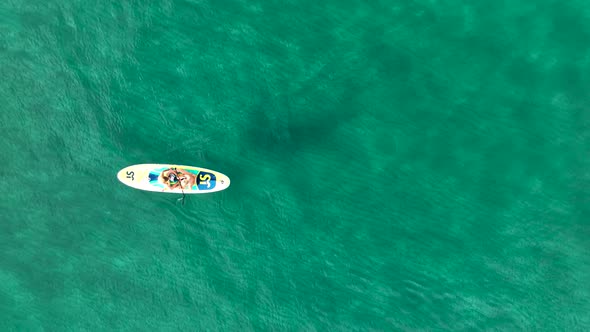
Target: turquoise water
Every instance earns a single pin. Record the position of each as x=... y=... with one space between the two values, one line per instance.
x=395 y=165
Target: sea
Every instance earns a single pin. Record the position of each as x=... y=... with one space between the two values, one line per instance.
x=417 y=165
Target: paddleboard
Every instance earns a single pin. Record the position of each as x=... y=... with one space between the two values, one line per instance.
x=174 y=179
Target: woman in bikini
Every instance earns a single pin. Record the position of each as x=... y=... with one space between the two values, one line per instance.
x=174 y=178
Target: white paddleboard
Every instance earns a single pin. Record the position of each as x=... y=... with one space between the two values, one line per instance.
x=175 y=179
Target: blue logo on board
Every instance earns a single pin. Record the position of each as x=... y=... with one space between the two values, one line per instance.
x=153 y=177
x=205 y=181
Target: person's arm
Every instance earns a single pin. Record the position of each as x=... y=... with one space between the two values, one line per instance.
x=188 y=177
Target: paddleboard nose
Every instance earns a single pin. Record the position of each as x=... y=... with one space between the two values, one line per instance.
x=223 y=181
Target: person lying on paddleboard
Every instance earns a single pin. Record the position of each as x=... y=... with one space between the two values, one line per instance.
x=174 y=178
